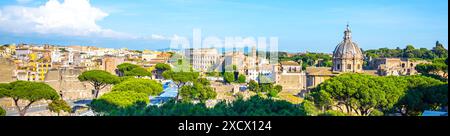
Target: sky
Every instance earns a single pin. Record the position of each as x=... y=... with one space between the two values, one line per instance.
x=299 y=25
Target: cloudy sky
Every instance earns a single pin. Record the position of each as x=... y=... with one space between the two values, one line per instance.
x=300 y=25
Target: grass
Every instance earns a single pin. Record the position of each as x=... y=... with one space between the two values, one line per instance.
x=290 y=98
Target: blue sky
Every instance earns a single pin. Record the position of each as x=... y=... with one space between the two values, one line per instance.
x=300 y=25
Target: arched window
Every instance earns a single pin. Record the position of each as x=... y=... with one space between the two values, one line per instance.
x=403 y=65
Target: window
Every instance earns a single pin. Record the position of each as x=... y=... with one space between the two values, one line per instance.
x=349 y=66
x=359 y=66
x=338 y=66
x=403 y=65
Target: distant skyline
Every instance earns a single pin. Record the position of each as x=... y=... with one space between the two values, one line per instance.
x=301 y=25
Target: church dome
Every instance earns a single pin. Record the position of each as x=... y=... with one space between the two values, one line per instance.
x=347 y=48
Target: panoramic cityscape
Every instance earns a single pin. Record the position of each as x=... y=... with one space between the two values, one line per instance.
x=60 y=58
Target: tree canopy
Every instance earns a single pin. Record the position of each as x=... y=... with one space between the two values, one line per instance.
x=200 y=91
x=28 y=91
x=409 y=52
x=149 y=87
x=59 y=106
x=181 y=78
x=363 y=94
x=241 y=78
x=255 y=106
x=118 y=100
x=228 y=77
x=438 y=69
x=138 y=72
x=162 y=67
x=126 y=67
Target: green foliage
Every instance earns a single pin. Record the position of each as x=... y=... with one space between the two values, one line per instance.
x=363 y=94
x=203 y=81
x=253 y=86
x=434 y=69
x=28 y=91
x=126 y=67
x=255 y=106
x=440 y=51
x=4 y=90
x=323 y=99
x=241 y=78
x=180 y=78
x=99 y=79
x=32 y=91
x=2 y=112
x=139 y=72
x=268 y=88
x=333 y=113
x=229 y=77
x=149 y=87
x=198 y=92
x=376 y=113
x=118 y=100
x=129 y=69
x=162 y=67
x=59 y=106
x=213 y=74
x=409 y=52
x=309 y=108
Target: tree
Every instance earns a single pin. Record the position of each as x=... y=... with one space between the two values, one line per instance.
x=59 y=106
x=273 y=92
x=149 y=87
x=99 y=79
x=255 y=106
x=163 y=67
x=203 y=81
x=30 y=92
x=409 y=51
x=160 y=68
x=440 y=51
x=180 y=78
x=197 y=92
x=117 y=100
x=438 y=69
x=228 y=77
x=358 y=93
x=253 y=86
x=367 y=95
x=3 y=91
x=2 y=112
x=309 y=108
x=241 y=78
x=139 y=72
x=126 y=67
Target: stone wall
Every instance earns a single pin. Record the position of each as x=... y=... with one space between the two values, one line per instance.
x=66 y=83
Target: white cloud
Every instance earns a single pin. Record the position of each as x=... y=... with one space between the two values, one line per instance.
x=158 y=37
x=69 y=18
x=162 y=37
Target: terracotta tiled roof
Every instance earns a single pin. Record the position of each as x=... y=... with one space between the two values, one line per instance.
x=319 y=71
